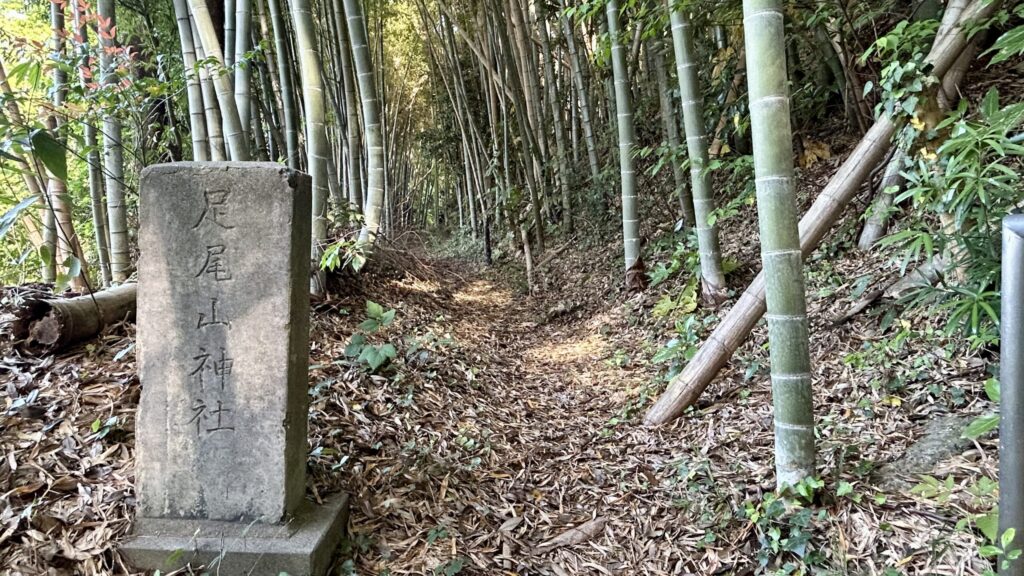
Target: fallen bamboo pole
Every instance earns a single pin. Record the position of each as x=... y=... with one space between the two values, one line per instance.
x=689 y=384
x=49 y=325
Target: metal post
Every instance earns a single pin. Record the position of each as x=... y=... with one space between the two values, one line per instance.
x=1011 y=380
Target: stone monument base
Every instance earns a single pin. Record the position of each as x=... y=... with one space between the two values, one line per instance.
x=302 y=546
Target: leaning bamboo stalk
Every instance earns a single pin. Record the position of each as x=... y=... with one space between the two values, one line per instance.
x=50 y=325
x=688 y=385
x=211 y=112
x=237 y=143
x=878 y=218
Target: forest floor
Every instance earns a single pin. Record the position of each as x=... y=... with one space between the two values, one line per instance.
x=506 y=435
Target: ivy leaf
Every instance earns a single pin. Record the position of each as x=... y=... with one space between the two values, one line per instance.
x=51 y=152
x=844 y=489
x=374 y=310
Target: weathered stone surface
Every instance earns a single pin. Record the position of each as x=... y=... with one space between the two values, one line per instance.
x=301 y=546
x=940 y=440
x=223 y=321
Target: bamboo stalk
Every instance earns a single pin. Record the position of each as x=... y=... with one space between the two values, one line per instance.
x=627 y=138
x=238 y=144
x=712 y=274
x=373 y=136
x=113 y=151
x=197 y=121
x=687 y=386
x=788 y=331
x=49 y=325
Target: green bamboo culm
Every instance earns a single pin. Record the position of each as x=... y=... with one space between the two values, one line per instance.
x=711 y=271
x=317 y=145
x=780 y=241
x=283 y=47
x=373 y=136
x=210 y=39
x=624 y=113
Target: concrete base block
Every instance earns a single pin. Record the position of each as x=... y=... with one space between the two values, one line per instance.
x=302 y=546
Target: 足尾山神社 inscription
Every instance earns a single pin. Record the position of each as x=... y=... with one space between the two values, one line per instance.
x=223 y=338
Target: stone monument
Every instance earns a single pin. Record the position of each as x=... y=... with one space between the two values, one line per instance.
x=223 y=341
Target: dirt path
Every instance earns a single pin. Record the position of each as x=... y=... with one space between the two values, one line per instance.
x=511 y=447
x=521 y=450
x=504 y=439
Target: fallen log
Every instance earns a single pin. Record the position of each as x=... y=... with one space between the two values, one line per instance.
x=878 y=219
x=688 y=385
x=49 y=325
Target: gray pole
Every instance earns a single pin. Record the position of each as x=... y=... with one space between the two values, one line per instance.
x=1011 y=377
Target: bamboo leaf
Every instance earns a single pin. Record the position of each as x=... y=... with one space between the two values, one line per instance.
x=980 y=426
x=11 y=216
x=51 y=152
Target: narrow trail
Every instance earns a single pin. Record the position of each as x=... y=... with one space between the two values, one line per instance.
x=529 y=452
x=505 y=439
x=509 y=442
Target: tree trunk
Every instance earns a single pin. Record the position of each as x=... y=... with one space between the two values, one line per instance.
x=283 y=47
x=214 y=126
x=371 y=122
x=92 y=158
x=556 y=119
x=671 y=128
x=317 y=147
x=68 y=246
x=238 y=145
x=583 y=96
x=241 y=69
x=878 y=217
x=197 y=122
x=50 y=325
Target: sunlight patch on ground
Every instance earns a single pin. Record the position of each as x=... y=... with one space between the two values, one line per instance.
x=421 y=286
x=483 y=294
x=589 y=349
